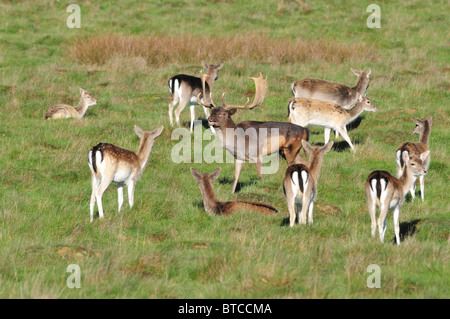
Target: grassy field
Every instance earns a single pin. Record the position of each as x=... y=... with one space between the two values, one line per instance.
x=167 y=246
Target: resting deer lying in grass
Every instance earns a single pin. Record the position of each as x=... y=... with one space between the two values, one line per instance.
x=214 y=207
x=338 y=93
x=186 y=88
x=252 y=140
x=388 y=192
x=300 y=183
x=330 y=115
x=64 y=111
x=423 y=129
x=110 y=163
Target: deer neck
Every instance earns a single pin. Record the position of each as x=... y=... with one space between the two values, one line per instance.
x=425 y=135
x=145 y=147
x=82 y=107
x=355 y=111
x=407 y=180
x=315 y=162
x=359 y=87
x=210 y=201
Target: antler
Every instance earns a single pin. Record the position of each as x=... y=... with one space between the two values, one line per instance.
x=211 y=104
x=260 y=94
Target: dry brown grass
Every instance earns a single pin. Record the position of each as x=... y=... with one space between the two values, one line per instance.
x=189 y=48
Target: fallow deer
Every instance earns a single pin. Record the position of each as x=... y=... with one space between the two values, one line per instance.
x=185 y=89
x=110 y=163
x=214 y=207
x=300 y=183
x=423 y=129
x=338 y=93
x=388 y=192
x=63 y=111
x=252 y=140
x=330 y=115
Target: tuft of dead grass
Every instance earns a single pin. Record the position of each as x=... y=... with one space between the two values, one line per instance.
x=190 y=48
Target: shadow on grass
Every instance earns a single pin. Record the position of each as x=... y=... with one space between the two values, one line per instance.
x=407 y=229
x=239 y=185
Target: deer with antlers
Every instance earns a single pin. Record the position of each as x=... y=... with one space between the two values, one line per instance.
x=252 y=140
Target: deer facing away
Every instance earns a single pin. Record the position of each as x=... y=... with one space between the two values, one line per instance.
x=214 y=207
x=423 y=129
x=300 y=183
x=185 y=89
x=63 y=111
x=330 y=115
x=338 y=93
x=252 y=140
x=110 y=163
x=388 y=192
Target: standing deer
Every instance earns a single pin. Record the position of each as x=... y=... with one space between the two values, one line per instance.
x=64 y=111
x=330 y=115
x=252 y=140
x=388 y=192
x=110 y=163
x=423 y=129
x=185 y=89
x=300 y=183
x=214 y=207
x=338 y=93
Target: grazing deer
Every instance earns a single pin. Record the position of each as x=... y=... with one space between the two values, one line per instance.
x=110 y=163
x=388 y=192
x=252 y=140
x=326 y=91
x=214 y=207
x=186 y=88
x=300 y=183
x=64 y=111
x=330 y=115
x=423 y=129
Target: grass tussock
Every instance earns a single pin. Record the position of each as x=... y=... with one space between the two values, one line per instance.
x=189 y=48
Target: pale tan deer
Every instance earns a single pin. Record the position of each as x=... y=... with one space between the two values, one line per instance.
x=185 y=89
x=300 y=183
x=64 y=111
x=330 y=115
x=110 y=163
x=423 y=129
x=214 y=207
x=388 y=192
x=252 y=140
x=338 y=93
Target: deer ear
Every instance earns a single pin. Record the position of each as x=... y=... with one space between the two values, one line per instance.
x=415 y=119
x=359 y=97
x=158 y=131
x=82 y=92
x=138 y=131
x=205 y=65
x=327 y=147
x=405 y=156
x=424 y=155
x=430 y=120
x=220 y=65
x=368 y=71
x=306 y=146
x=215 y=174
x=231 y=112
x=355 y=72
x=196 y=174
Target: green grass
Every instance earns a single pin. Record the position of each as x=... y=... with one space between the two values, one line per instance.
x=167 y=246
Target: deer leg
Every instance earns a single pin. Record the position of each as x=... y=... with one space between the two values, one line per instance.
x=292 y=209
x=172 y=104
x=130 y=187
x=179 y=109
x=310 y=212
x=237 y=172
x=192 y=109
x=413 y=190
x=396 y=224
x=372 y=205
x=422 y=187
x=99 y=193
x=382 y=220
x=120 y=195
x=94 y=190
x=343 y=131
x=337 y=134
x=327 y=134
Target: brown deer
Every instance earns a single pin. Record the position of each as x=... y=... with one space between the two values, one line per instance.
x=185 y=89
x=64 y=111
x=423 y=129
x=388 y=192
x=252 y=140
x=330 y=115
x=338 y=93
x=110 y=163
x=300 y=183
x=214 y=207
